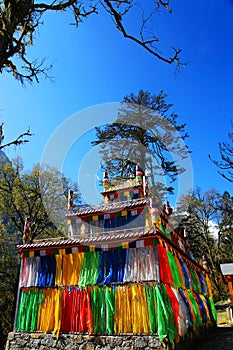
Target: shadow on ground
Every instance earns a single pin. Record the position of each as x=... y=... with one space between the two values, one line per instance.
x=220 y=338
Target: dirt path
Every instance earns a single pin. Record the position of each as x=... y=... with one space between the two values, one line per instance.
x=220 y=339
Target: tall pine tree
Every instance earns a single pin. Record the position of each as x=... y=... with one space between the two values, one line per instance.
x=145 y=133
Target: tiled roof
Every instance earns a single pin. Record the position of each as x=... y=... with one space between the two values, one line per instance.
x=111 y=240
x=113 y=237
x=108 y=207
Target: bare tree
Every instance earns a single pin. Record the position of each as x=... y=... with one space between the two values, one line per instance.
x=19 y=20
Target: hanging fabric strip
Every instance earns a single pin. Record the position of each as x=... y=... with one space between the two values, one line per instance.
x=209 y=322
x=194 y=310
x=195 y=280
x=180 y=271
x=164 y=267
x=110 y=308
x=118 y=311
x=162 y=315
x=46 y=317
x=77 y=263
x=98 y=309
x=94 y=304
x=213 y=309
x=191 y=316
x=202 y=282
x=89 y=319
x=201 y=307
x=186 y=273
x=57 y=314
x=67 y=269
x=90 y=269
x=144 y=308
x=174 y=269
x=130 y=271
x=126 y=316
x=47 y=271
x=25 y=273
x=58 y=277
x=123 y=310
x=174 y=304
x=28 y=310
x=67 y=312
x=172 y=330
x=30 y=271
x=183 y=318
x=151 y=304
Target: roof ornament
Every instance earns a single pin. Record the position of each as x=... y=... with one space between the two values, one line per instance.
x=70 y=200
x=26 y=231
x=139 y=175
x=105 y=180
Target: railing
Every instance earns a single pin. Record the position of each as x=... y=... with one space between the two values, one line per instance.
x=114 y=203
x=113 y=232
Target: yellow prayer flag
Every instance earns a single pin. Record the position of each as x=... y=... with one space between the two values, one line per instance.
x=31 y=253
x=62 y=251
x=125 y=245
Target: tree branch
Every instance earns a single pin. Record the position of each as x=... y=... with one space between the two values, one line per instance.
x=148 y=45
x=18 y=141
x=19 y=19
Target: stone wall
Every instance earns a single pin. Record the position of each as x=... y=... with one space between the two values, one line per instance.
x=39 y=341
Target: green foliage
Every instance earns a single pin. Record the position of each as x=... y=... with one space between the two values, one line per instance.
x=207 y=219
x=9 y=267
x=225 y=228
x=23 y=195
x=145 y=133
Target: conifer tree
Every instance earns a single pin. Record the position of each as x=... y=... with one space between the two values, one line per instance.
x=145 y=133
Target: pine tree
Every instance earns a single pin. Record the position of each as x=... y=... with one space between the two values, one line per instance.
x=145 y=133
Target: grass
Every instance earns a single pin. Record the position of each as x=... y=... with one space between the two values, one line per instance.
x=222 y=319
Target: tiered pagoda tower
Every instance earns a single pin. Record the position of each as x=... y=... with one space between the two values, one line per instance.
x=123 y=270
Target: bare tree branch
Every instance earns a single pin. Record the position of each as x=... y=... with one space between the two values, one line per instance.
x=148 y=45
x=165 y=4
x=226 y=158
x=19 y=20
x=22 y=138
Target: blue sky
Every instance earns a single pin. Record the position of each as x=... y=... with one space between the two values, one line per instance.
x=94 y=65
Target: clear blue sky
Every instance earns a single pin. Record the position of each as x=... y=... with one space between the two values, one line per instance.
x=94 y=64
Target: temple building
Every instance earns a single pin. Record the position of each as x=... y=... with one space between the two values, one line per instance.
x=122 y=270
